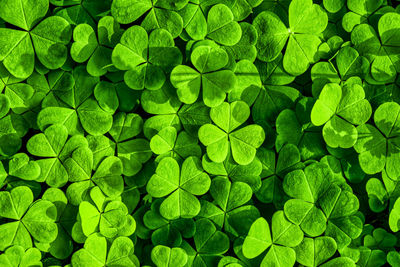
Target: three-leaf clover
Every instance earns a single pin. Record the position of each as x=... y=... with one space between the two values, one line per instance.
x=223 y=136
x=96 y=50
x=52 y=145
x=285 y=235
x=180 y=185
x=163 y=256
x=97 y=253
x=380 y=50
x=27 y=218
x=306 y=21
x=378 y=147
x=339 y=109
x=46 y=39
x=144 y=56
x=209 y=76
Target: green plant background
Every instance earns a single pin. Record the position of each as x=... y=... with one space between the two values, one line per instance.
x=199 y=133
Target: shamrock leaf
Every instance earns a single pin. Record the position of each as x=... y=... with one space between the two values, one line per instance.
x=168 y=143
x=249 y=174
x=209 y=76
x=377 y=147
x=285 y=235
x=295 y=127
x=78 y=12
x=54 y=147
x=360 y=12
x=110 y=218
x=210 y=242
x=143 y=57
x=338 y=109
x=317 y=200
x=228 y=210
x=179 y=186
x=221 y=26
x=242 y=142
x=26 y=219
x=96 y=50
x=46 y=39
x=161 y=14
x=313 y=252
x=306 y=21
x=165 y=256
x=166 y=232
x=107 y=175
x=381 y=51
x=96 y=252
x=273 y=172
x=17 y=256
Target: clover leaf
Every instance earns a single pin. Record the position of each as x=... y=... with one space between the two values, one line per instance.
x=18 y=256
x=160 y=14
x=109 y=218
x=107 y=175
x=96 y=252
x=54 y=147
x=284 y=236
x=180 y=186
x=47 y=39
x=377 y=147
x=314 y=251
x=316 y=199
x=295 y=127
x=166 y=232
x=96 y=50
x=219 y=140
x=143 y=57
x=165 y=256
x=380 y=51
x=209 y=76
x=338 y=109
x=179 y=146
x=273 y=172
x=306 y=21
x=228 y=210
x=27 y=219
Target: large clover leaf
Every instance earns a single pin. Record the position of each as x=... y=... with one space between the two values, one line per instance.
x=249 y=174
x=96 y=253
x=144 y=57
x=219 y=140
x=161 y=14
x=295 y=127
x=339 y=109
x=71 y=103
x=316 y=201
x=27 y=219
x=96 y=50
x=16 y=256
x=228 y=211
x=209 y=76
x=107 y=175
x=383 y=50
x=109 y=218
x=167 y=232
x=47 y=39
x=168 y=143
x=54 y=147
x=273 y=172
x=306 y=21
x=378 y=147
x=285 y=235
x=180 y=186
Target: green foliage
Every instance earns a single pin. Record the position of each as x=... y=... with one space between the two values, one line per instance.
x=204 y=133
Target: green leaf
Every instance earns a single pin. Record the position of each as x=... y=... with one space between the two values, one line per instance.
x=165 y=256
